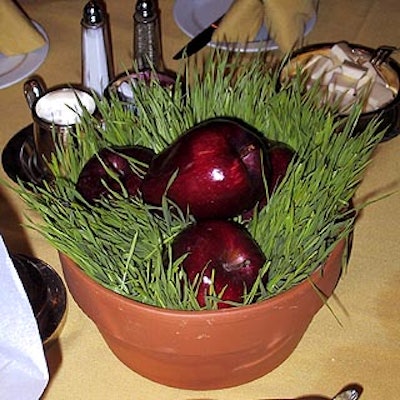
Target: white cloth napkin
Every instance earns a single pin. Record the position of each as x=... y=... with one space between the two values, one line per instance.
x=23 y=369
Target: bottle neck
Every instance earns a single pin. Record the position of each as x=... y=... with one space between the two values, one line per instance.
x=147 y=41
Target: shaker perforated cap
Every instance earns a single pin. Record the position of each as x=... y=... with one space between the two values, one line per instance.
x=93 y=14
x=145 y=8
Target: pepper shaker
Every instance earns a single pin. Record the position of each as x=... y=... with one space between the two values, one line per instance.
x=96 y=60
x=147 y=55
x=146 y=40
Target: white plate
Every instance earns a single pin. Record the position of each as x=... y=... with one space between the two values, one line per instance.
x=193 y=16
x=15 y=68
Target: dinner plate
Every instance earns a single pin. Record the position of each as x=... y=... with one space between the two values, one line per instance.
x=15 y=68
x=193 y=16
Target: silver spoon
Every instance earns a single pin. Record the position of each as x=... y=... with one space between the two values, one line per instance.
x=382 y=53
x=350 y=394
x=346 y=394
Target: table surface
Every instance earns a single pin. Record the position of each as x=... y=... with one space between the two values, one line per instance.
x=364 y=349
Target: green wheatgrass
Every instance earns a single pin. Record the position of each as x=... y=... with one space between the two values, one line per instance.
x=124 y=244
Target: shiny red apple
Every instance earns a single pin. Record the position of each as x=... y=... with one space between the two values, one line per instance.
x=280 y=156
x=214 y=170
x=99 y=174
x=221 y=252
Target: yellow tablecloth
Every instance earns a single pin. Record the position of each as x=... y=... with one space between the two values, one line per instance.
x=365 y=349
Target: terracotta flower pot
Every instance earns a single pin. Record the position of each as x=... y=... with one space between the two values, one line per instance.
x=203 y=350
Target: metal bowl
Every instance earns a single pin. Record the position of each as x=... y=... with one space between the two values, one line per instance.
x=46 y=293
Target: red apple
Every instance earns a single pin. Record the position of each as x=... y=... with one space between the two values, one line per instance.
x=280 y=156
x=224 y=251
x=95 y=178
x=218 y=167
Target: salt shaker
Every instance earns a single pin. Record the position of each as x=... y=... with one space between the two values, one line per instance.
x=96 y=61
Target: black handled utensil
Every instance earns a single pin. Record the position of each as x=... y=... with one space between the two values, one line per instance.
x=198 y=42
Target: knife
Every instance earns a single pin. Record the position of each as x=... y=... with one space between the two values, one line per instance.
x=199 y=41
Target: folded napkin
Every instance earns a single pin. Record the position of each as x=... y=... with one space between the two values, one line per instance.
x=285 y=20
x=17 y=34
x=23 y=368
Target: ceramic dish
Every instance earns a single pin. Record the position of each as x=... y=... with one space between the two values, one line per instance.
x=46 y=293
x=15 y=68
x=193 y=16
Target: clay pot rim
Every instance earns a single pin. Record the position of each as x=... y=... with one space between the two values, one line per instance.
x=296 y=290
